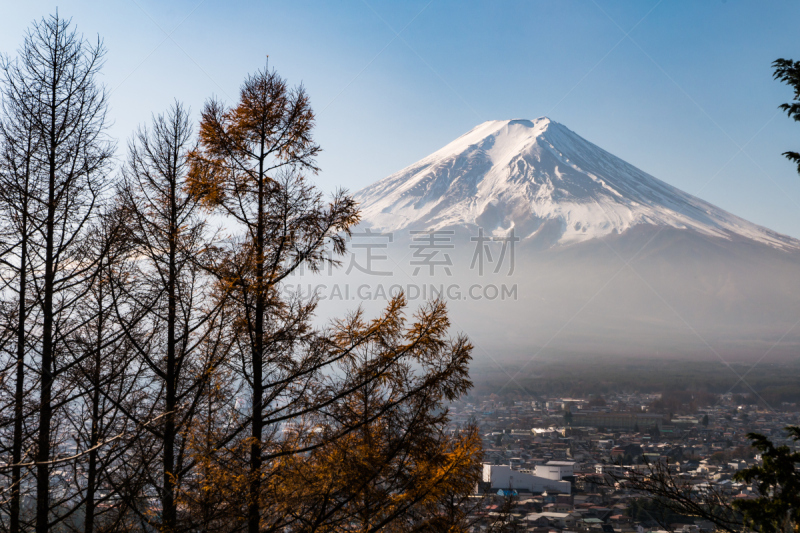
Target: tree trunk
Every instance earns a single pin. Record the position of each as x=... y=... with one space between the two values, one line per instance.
x=45 y=407
x=19 y=392
x=254 y=511
x=94 y=438
x=168 y=500
x=91 y=482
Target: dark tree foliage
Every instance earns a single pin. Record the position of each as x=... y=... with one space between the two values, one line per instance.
x=654 y=512
x=777 y=507
x=788 y=72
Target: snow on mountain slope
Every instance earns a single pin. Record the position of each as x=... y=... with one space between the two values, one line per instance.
x=538 y=176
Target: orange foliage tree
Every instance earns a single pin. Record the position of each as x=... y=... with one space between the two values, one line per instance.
x=341 y=428
x=367 y=449
x=380 y=457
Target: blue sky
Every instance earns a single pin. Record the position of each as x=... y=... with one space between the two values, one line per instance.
x=681 y=89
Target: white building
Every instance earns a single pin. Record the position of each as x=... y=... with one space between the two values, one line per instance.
x=504 y=477
x=556 y=470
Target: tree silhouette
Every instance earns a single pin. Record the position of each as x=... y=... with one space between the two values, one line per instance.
x=788 y=72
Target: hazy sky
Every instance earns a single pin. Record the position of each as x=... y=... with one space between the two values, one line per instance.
x=681 y=89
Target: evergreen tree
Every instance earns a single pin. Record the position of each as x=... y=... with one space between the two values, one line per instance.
x=777 y=508
x=788 y=72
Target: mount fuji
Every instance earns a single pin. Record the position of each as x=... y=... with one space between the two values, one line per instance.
x=608 y=259
x=539 y=177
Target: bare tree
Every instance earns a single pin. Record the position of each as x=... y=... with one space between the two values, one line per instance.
x=174 y=325
x=105 y=378
x=19 y=186
x=52 y=83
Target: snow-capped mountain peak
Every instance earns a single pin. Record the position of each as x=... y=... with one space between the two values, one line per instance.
x=539 y=177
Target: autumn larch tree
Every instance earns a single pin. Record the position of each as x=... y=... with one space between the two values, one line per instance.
x=317 y=397
x=249 y=166
x=382 y=457
x=364 y=441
